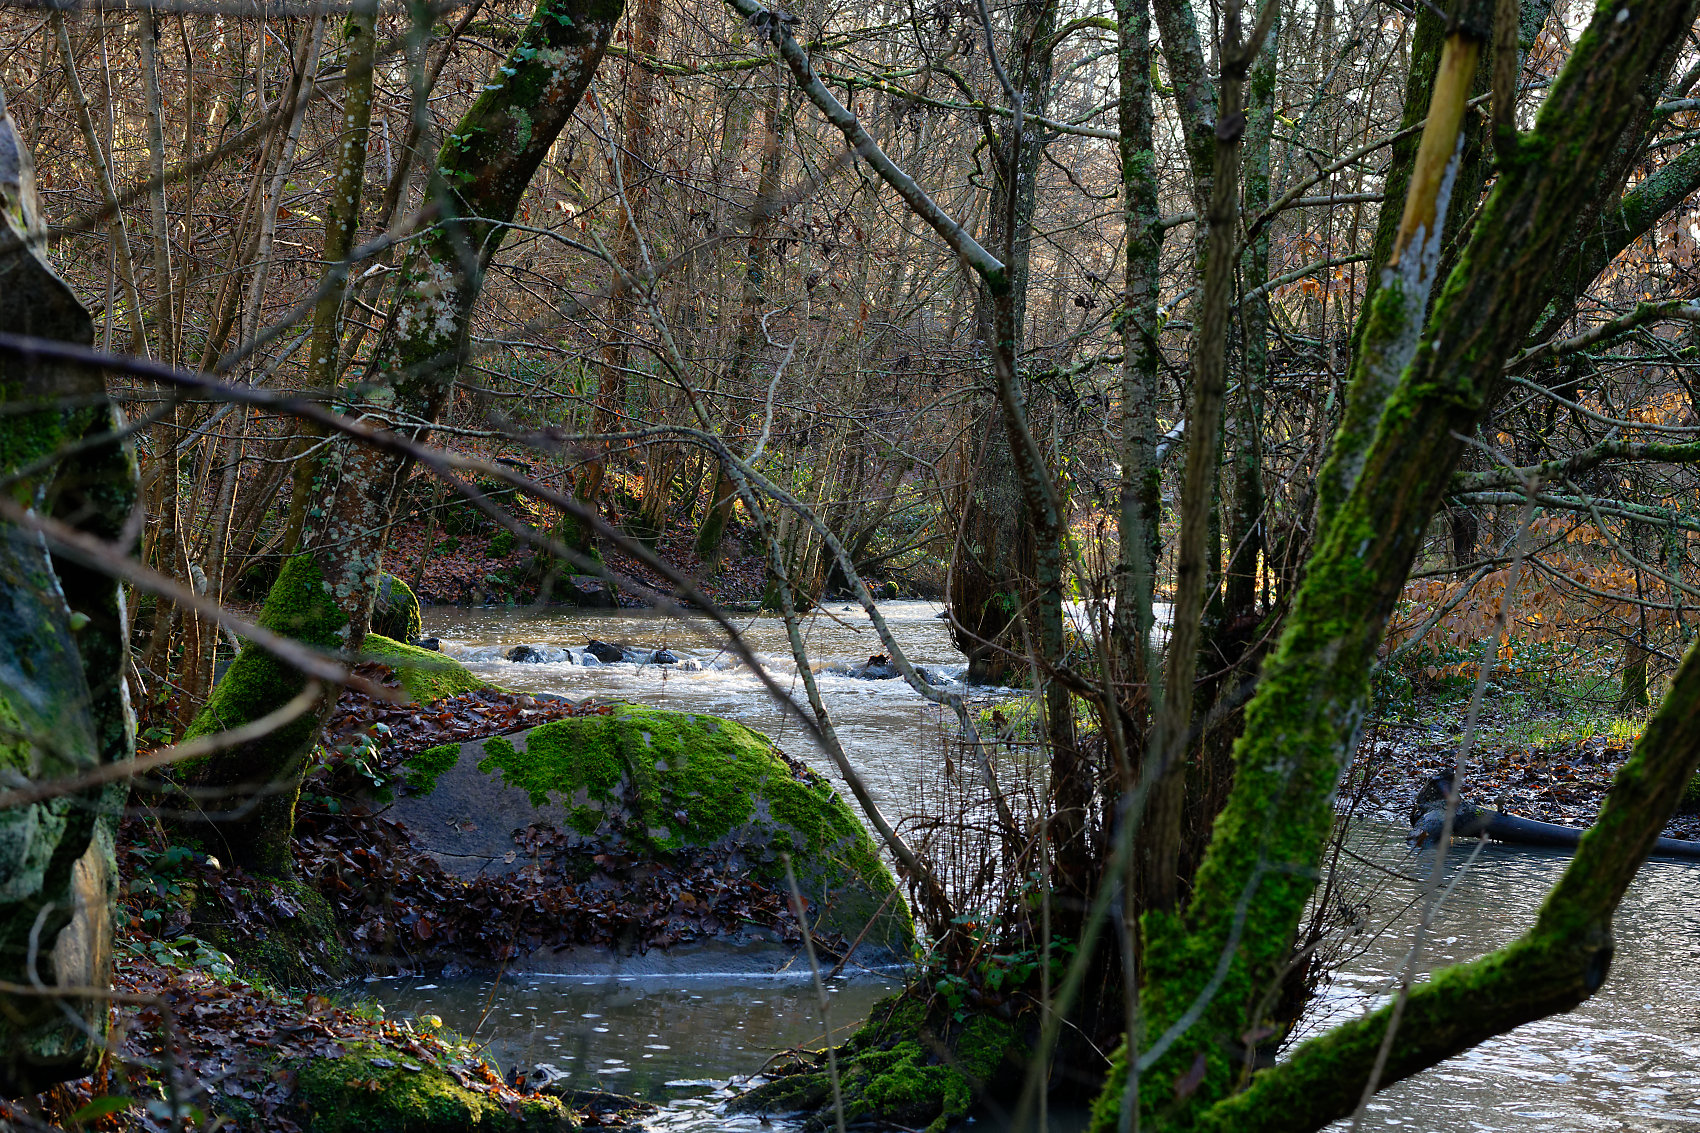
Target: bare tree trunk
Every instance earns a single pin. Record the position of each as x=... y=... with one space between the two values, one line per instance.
x=341 y=224
x=103 y=173
x=748 y=342
x=165 y=308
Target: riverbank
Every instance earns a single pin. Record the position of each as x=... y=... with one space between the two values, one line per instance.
x=193 y=1042
x=1550 y=765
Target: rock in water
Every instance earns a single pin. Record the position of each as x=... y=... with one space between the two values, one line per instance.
x=395 y=612
x=605 y=653
x=878 y=668
x=644 y=784
x=663 y=657
x=539 y=655
x=587 y=590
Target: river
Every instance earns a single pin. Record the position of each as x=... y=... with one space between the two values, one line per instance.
x=1628 y=1059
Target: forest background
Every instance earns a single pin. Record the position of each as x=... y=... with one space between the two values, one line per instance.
x=1351 y=343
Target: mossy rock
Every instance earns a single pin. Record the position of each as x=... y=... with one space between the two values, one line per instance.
x=374 y=1089
x=299 y=950
x=425 y=675
x=647 y=783
x=913 y=1064
x=395 y=610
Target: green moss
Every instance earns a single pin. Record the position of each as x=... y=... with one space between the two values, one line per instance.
x=371 y=1090
x=15 y=747
x=667 y=779
x=298 y=606
x=910 y=1065
x=425 y=675
x=422 y=770
x=395 y=610
x=302 y=950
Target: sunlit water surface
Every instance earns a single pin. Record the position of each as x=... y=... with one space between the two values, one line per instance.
x=1628 y=1059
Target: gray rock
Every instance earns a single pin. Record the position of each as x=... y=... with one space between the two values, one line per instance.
x=686 y=782
x=539 y=655
x=878 y=668
x=605 y=653
x=588 y=590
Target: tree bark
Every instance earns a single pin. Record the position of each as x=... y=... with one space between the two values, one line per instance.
x=64 y=652
x=1303 y=723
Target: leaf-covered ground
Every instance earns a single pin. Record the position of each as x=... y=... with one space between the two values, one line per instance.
x=1564 y=783
x=399 y=903
x=192 y=1042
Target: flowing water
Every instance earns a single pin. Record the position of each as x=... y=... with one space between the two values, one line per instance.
x=1628 y=1059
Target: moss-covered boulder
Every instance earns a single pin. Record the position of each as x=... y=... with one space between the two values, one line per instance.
x=395 y=610
x=425 y=675
x=373 y=1089
x=646 y=784
x=914 y=1064
x=298 y=946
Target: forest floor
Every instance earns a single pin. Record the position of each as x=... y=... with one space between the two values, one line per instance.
x=1551 y=760
x=197 y=1035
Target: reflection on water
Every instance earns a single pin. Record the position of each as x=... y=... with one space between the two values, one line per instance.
x=672 y=1040
x=1627 y=1059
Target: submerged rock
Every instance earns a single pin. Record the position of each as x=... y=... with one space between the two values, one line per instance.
x=605 y=653
x=644 y=785
x=539 y=655
x=663 y=656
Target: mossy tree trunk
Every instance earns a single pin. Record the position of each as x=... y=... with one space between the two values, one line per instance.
x=1303 y=724
x=1562 y=960
x=64 y=707
x=324 y=594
